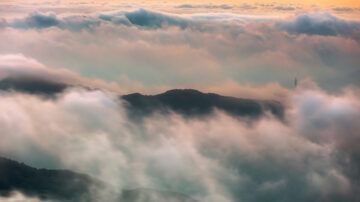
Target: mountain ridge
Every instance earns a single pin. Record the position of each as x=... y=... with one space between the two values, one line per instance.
x=69 y=186
x=192 y=102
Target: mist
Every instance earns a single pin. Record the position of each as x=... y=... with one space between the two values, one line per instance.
x=310 y=155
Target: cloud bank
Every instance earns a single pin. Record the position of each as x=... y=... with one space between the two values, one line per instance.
x=215 y=158
x=323 y=24
x=28 y=75
x=317 y=23
x=180 y=50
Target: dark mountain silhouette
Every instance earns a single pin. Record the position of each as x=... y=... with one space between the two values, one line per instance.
x=192 y=102
x=62 y=185
x=65 y=185
x=187 y=101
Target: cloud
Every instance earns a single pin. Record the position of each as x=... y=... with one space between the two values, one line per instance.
x=222 y=6
x=217 y=158
x=207 y=6
x=17 y=196
x=177 y=50
x=37 y=21
x=271 y=91
x=284 y=8
x=343 y=9
x=214 y=158
x=247 y=6
x=323 y=24
x=141 y=18
x=40 y=21
x=153 y=20
x=3 y=23
x=18 y=72
x=186 y=6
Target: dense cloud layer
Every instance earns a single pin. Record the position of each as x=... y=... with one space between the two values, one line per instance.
x=312 y=24
x=215 y=158
x=187 y=50
x=323 y=24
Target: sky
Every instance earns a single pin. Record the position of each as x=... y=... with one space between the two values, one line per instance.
x=100 y=50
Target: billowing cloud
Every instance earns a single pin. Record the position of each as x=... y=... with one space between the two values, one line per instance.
x=177 y=51
x=26 y=74
x=217 y=158
x=144 y=18
x=317 y=23
x=41 y=21
x=86 y=54
x=37 y=21
x=323 y=24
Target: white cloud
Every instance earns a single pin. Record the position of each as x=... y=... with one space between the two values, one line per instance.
x=212 y=158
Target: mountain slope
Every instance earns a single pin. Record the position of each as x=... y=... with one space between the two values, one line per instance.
x=192 y=103
x=65 y=185
x=187 y=102
x=43 y=183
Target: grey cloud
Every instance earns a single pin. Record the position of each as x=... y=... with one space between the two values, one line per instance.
x=78 y=23
x=269 y=5
x=3 y=23
x=106 y=17
x=207 y=6
x=343 y=9
x=323 y=24
x=118 y=19
x=36 y=21
x=239 y=43
x=23 y=74
x=313 y=24
x=222 y=6
x=284 y=8
x=247 y=6
x=153 y=20
x=141 y=18
x=42 y=21
x=186 y=6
